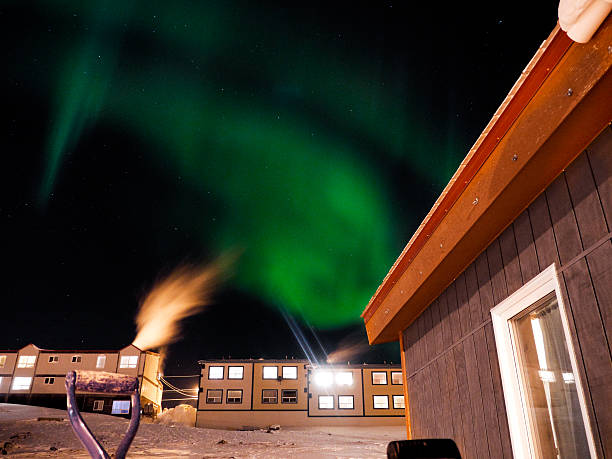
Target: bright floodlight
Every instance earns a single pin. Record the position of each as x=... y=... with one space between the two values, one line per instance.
x=344 y=378
x=324 y=378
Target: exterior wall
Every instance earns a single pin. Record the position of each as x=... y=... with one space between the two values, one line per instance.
x=356 y=390
x=151 y=388
x=300 y=385
x=252 y=412
x=64 y=362
x=131 y=351
x=224 y=384
x=389 y=389
x=29 y=350
x=258 y=419
x=9 y=364
x=57 y=387
x=451 y=362
x=5 y=384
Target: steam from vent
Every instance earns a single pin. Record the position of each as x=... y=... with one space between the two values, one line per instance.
x=183 y=293
x=348 y=350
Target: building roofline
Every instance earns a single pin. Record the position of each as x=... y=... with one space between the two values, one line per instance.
x=76 y=351
x=301 y=361
x=571 y=64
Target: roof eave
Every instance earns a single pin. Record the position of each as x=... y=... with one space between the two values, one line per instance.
x=538 y=130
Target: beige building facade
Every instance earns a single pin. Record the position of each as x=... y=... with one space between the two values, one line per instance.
x=36 y=376
x=251 y=393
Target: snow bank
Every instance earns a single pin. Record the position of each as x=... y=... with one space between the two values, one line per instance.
x=181 y=414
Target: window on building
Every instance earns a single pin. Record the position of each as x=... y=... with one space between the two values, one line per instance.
x=381 y=402
x=214 y=396
x=323 y=378
x=101 y=361
x=542 y=388
x=326 y=402
x=76 y=359
x=215 y=372
x=235 y=372
x=344 y=378
x=289 y=396
x=26 y=361
x=98 y=405
x=379 y=377
x=234 y=396
x=53 y=358
x=269 y=396
x=289 y=372
x=396 y=377
x=50 y=380
x=270 y=372
x=21 y=382
x=398 y=402
x=121 y=407
x=128 y=361
x=2 y=361
x=346 y=402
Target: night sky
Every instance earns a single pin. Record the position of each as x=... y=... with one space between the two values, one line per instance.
x=140 y=135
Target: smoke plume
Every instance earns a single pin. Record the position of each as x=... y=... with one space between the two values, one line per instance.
x=348 y=349
x=183 y=293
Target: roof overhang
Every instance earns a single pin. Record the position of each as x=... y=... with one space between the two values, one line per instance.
x=555 y=109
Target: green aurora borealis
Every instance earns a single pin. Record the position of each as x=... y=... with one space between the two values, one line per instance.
x=284 y=137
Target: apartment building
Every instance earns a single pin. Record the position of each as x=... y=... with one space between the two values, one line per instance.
x=258 y=393
x=36 y=376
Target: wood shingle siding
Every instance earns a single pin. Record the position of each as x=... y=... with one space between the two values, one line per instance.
x=452 y=368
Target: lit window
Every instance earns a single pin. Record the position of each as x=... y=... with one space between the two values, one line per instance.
x=289 y=396
x=53 y=359
x=234 y=396
x=289 y=372
x=49 y=380
x=324 y=378
x=101 y=361
x=269 y=396
x=98 y=405
x=76 y=359
x=345 y=402
x=215 y=372
x=381 y=402
x=235 y=372
x=379 y=377
x=398 y=402
x=270 y=372
x=26 y=361
x=326 y=402
x=128 y=361
x=344 y=378
x=121 y=407
x=214 y=395
x=542 y=390
x=2 y=361
x=21 y=382
x=396 y=377
x=568 y=378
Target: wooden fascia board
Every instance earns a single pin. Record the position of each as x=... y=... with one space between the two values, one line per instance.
x=549 y=134
x=538 y=69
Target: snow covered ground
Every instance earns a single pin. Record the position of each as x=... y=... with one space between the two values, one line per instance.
x=28 y=431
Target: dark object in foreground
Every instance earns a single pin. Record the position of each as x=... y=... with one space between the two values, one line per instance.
x=101 y=382
x=429 y=448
